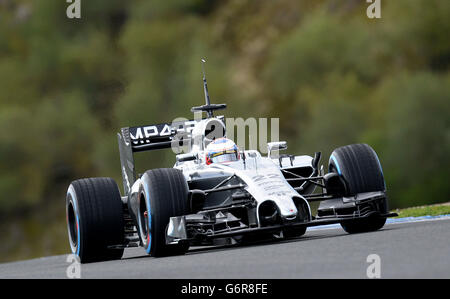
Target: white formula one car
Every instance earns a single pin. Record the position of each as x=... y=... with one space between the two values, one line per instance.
x=216 y=193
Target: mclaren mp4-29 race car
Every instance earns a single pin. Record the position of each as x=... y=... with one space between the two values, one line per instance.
x=217 y=193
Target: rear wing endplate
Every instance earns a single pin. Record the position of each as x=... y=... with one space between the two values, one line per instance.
x=145 y=138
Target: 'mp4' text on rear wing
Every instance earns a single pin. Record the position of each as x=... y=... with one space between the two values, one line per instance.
x=145 y=138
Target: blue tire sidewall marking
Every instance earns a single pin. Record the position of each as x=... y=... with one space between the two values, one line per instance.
x=149 y=216
x=336 y=163
x=75 y=206
x=381 y=169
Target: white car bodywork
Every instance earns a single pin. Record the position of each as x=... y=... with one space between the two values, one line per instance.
x=262 y=175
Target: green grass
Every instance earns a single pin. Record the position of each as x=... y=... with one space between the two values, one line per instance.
x=432 y=210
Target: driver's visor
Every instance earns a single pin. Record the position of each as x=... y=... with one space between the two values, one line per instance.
x=216 y=154
x=224 y=157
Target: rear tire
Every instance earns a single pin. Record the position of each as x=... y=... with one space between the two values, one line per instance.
x=360 y=167
x=164 y=194
x=95 y=219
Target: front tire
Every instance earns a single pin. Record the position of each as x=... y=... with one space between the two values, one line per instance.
x=364 y=225
x=359 y=165
x=291 y=233
x=95 y=219
x=163 y=194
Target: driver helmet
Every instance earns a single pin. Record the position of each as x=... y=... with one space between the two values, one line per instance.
x=222 y=150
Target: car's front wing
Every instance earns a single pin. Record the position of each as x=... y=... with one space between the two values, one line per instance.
x=362 y=206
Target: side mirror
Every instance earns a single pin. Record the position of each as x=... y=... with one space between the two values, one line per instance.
x=276 y=146
x=186 y=157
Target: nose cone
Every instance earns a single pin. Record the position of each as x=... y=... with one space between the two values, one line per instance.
x=287 y=208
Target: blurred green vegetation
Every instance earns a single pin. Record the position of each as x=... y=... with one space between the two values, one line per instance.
x=430 y=210
x=331 y=75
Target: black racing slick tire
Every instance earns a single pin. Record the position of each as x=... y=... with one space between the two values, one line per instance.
x=360 y=167
x=163 y=194
x=95 y=219
x=291 y=233
x=370 y=224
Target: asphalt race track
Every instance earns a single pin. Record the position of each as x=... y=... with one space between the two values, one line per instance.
x=406 y=250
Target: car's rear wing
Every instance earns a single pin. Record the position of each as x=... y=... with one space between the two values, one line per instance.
x=145 y=138
x=158 y=136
